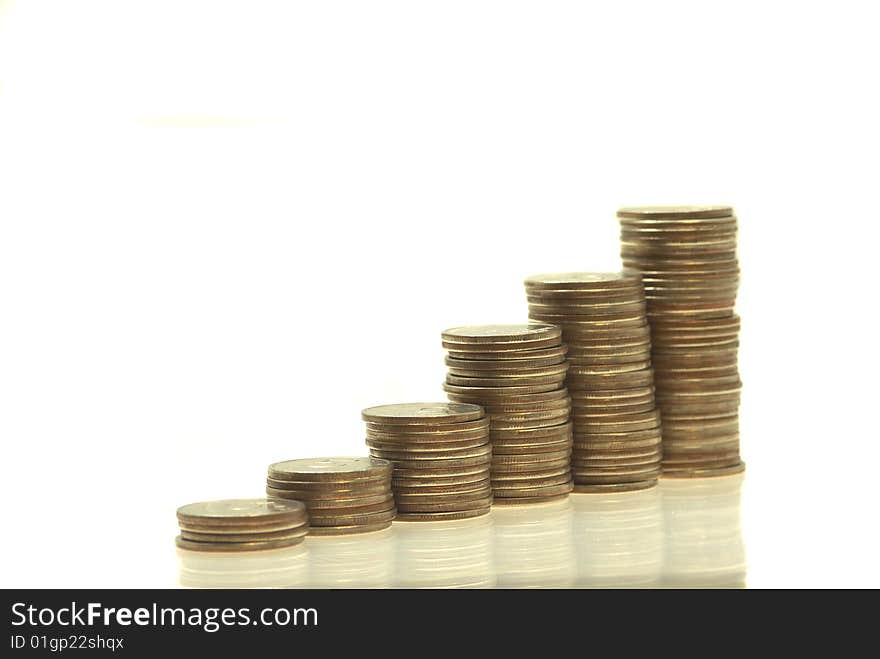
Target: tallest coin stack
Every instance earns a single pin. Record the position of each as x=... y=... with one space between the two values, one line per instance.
x=687 y=260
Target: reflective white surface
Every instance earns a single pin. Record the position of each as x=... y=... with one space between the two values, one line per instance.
x=683 y=533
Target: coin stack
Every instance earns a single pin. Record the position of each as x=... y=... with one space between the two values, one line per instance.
x=517 y=374
x=441 y=456
x=610 y=380
x=687 y=260
x=241 y=525
x=343 y=495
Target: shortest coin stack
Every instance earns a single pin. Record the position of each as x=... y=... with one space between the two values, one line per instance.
x=241 y=525
x=343 y=495
x=441 y=456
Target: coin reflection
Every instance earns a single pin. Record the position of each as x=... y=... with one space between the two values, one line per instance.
x=533 y=546
x=278 y=568
x=619 y=539
x=449 y=554
x=704 y=546
x=351 y=561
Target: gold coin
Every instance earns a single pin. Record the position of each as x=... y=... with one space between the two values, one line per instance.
x=509 y=398
x=417 y=429
x=512 y=355
x=611 y=381
x=348 y=530
x=443 y=488
x=545 y=381
x=429 y=439
x=502 y=487
x=241 y=512
x=583 y=281
x=263 y=545
x=502 y=391
x=704 y=473
x=329 y=469
x=464 y=366
x=313 y=503
x=355 y=519
x=530 y=466
x=304 y=493
x=517 y=477
x=533 y=459
x=515 y=373
x=441 y=475
x=442 y=498
x=442 y=516
x=675 y=212
x=583 y=488
x=424 y=447
x=491 y=334
x=540 y=491
x=422 y=413
x=449 y=463
x=284 y=534
x=429 y=454
x=450 y=506
x=609 y=480
x=516 y=407
x=531 y=434
x=520 y=501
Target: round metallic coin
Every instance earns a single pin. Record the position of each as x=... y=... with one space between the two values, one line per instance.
x=512 y=355
x=329 y=469
x=354 y=519
x=446 y=462
x=581 y=488
x=530 y=466
x=463 y=503
x=582 y=280
x=431 y=413
x=284 y=534
x=674 y=212
x=521 y=501
x=238 y=511
x=427 y=429
x=442 y=516
x=422 y=447
x=502 y=392
x=292 y=491
x=501 y=333
x=312 y=503
x=705 y=473
x=554 y=380
x=348 y=530
x=510 y=398
x=237 y=546
x=466 y=366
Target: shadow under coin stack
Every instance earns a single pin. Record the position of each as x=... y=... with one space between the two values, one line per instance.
x=241 y=525
x=616 y=424
x=441 y=457
x=343 y=495
x=517 y=374
x=687 y=259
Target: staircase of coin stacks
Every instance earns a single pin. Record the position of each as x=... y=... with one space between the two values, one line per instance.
x=565 y=402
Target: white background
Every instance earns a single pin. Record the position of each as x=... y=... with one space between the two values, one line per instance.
x=229 y=226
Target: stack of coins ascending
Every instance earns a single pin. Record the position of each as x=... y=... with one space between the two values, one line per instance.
x=687 y=259
x=441 y=456
x=610 y=380
x=343 y=495
x=517 y=374
x=241 y=524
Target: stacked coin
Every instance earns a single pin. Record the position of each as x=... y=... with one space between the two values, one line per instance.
x=610 y=380
x=517 y=374
x=241 y=524
x=343 y=495
x=687 y=260
x=441 y=457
